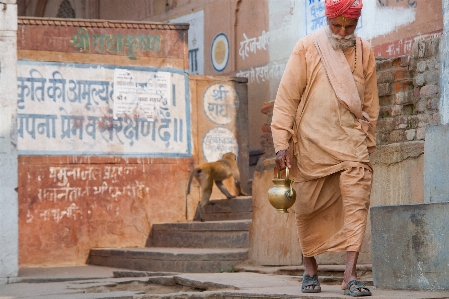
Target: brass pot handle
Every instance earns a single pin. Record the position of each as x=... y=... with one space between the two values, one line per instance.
x=287 y=174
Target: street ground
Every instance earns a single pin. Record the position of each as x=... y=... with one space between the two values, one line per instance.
x=94 y=282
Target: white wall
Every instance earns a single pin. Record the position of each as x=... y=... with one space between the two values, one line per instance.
x=9 y=238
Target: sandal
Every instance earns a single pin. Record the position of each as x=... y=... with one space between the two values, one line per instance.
x=310 y=281
x=356 y=288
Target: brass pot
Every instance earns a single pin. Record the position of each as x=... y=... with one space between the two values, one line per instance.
x=282 y=195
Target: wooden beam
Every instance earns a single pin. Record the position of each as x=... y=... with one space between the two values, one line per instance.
x=40 y=8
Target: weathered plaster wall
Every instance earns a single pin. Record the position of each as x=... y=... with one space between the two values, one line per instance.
x=110 y=127
x=8 y=142
x=96 y=168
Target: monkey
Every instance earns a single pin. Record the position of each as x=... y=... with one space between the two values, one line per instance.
x=208 y=173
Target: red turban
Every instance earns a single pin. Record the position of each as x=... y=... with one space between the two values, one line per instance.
x=351 y=9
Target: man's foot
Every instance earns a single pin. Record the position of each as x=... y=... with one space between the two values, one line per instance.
x=356 y=288
x=310 y=284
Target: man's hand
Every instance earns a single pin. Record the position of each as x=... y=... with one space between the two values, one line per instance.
x=283 y=160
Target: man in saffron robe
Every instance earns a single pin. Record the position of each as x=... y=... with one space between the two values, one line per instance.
x=323 y=128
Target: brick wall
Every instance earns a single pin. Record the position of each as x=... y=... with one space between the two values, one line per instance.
x=409 y=97
x=409 y=94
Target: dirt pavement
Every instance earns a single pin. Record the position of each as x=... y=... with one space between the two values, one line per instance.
x=92 y=282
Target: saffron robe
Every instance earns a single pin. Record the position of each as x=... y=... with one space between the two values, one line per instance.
x=325 y=140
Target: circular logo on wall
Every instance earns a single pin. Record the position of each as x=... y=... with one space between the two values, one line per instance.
x=218 y=141
x=220 y=103
x=220 y=52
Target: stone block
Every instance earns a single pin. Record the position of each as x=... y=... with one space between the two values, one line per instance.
x=397 y=136
x=384 y=89
x=421 y=134
x=433 y=104
x=421 y=66
x=410 y=134
x=403 y=85
x=432 y=77
x=401 y=74
x=421 y=106
x=409 y=246
x=436 y=164
x=386 y=100
x=404 y=97
x=383 y=64
x=386 y=76
x=421 y=49
x=432 y=47
x=385 y=124
x=419 y=80
x=429 y=90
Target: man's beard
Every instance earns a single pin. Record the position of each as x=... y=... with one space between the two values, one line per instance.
x=339 y=42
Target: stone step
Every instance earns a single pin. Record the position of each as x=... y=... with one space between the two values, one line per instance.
x=181 y=260
x=211 y=234
x=237 y=208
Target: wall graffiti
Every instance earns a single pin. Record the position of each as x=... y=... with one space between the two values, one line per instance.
x=261 y=74
x=410 y=3
x=402 y=46
x=218 y=141
x=220 y=103
x=220 y=52
x=115 y=44
x=252 y=45
x=79 y=113
x=71 y=185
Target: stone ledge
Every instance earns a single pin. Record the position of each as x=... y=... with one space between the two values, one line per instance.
x=397 y=152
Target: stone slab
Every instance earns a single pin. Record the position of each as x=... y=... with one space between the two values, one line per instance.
x=410 y=246
x=200 y=239
x=436 y=164
x=204 y=226
x=183 y=260
x=239 y=286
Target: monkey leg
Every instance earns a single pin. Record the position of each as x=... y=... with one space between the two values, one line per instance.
x=224 y=190
x=207 y=192
x=239 y=187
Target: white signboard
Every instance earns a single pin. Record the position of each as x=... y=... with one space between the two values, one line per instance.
x=69 y=109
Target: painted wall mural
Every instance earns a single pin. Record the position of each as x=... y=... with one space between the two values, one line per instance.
x=220 y=103
x=218 y=141
x=69 y=109
x=220 y=52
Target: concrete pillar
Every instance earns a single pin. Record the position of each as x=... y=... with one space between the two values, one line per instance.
x=436 y=160
x=444 y=61
x=9 y=235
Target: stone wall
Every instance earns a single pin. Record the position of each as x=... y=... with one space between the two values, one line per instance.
x=409 y=95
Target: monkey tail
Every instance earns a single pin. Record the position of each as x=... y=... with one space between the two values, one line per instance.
x=192 y=174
